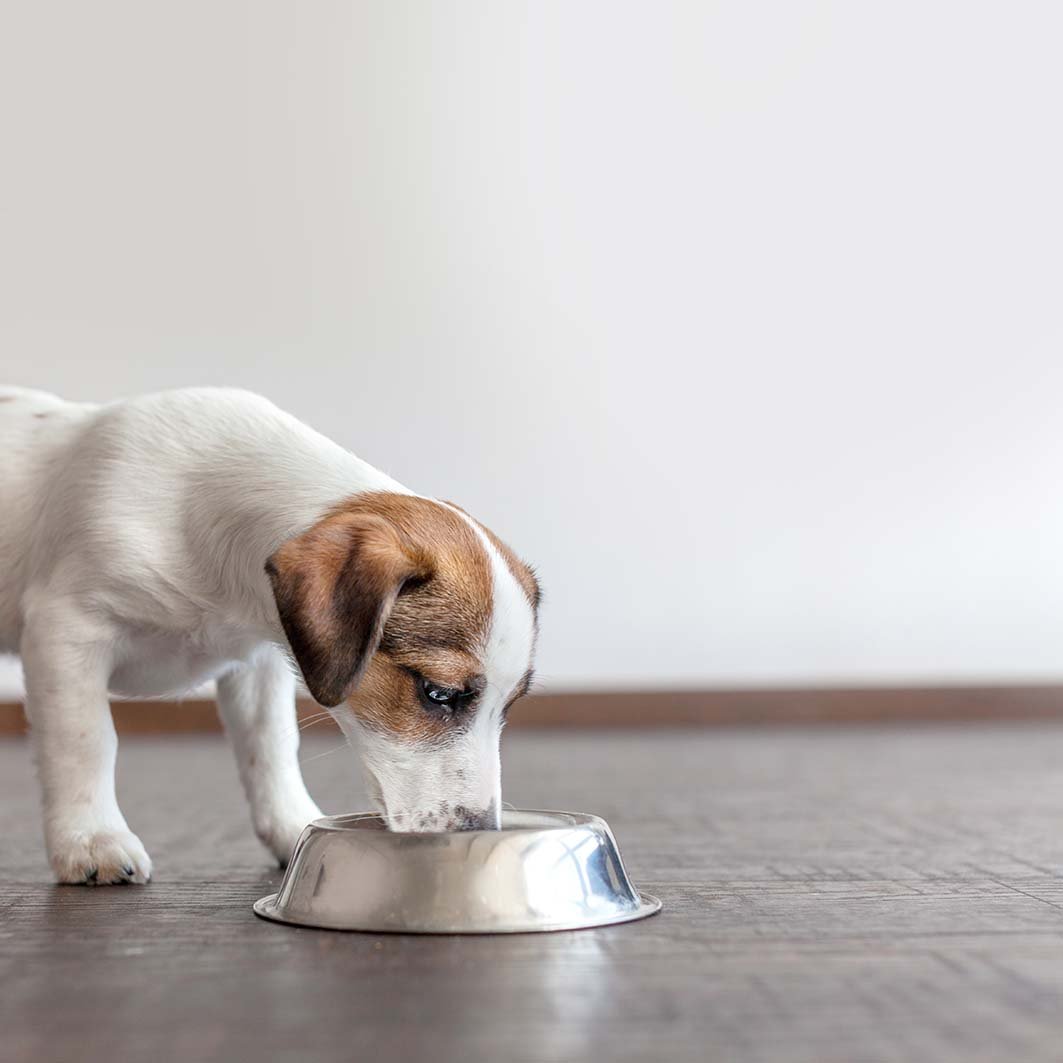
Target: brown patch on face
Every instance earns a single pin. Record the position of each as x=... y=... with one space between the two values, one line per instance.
x=452 y=609
x=389 y=571
x=387 y=700
x=437 y=625
x=521 y=571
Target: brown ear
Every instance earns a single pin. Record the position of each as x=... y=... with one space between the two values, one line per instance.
x=335 y=586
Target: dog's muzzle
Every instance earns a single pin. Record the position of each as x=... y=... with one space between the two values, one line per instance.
x=462 y=818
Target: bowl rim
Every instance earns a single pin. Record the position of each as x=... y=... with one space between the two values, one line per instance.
x=348 y=823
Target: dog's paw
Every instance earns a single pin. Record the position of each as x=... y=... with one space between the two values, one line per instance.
x=281 y=831
x=100 y=858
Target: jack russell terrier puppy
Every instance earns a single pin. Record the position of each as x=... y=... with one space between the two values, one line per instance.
x=153 y=544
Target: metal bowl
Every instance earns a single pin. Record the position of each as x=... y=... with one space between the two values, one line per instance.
x=541 y=871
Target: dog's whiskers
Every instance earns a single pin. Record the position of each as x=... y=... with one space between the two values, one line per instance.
x=306 y=724
x=318 y=756
x=313 y=719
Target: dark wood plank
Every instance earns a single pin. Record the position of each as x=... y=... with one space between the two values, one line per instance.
x=869 y=894
x=670 y=708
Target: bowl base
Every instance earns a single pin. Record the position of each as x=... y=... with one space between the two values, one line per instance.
x=266 y=908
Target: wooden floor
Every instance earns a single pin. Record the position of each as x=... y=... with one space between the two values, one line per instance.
x=830 y=894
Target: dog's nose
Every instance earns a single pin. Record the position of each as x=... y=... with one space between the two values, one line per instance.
x=463 y=818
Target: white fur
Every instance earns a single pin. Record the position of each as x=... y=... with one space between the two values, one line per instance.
x=133 y=539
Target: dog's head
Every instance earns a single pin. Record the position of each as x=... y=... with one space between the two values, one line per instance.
x=417 y=627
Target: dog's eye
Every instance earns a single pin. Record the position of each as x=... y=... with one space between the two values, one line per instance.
x=440 y=697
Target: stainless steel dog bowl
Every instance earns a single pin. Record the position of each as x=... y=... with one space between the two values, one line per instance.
x=541 y=871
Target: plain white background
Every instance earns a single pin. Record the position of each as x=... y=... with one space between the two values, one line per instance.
x=741 y=320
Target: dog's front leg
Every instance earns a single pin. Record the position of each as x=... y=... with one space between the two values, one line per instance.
x=66 y=659
x=256 y=702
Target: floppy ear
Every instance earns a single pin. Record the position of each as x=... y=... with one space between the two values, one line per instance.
x=335 y=586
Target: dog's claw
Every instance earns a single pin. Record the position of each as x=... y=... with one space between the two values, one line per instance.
x=91 y=876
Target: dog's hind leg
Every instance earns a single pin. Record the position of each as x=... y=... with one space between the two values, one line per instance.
x=256 y=702
x=66 y=658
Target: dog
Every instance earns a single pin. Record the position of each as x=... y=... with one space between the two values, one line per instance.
x=150 y=545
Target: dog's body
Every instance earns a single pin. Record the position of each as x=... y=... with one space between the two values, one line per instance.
x=151 y=545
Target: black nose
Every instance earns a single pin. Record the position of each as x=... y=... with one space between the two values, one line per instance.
x=463 y=818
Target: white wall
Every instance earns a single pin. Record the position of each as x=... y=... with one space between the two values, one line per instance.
x=742 y=320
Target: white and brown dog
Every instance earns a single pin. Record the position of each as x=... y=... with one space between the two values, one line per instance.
x=150 y=545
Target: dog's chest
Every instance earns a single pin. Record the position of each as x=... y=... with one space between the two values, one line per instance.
x=154 y=664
